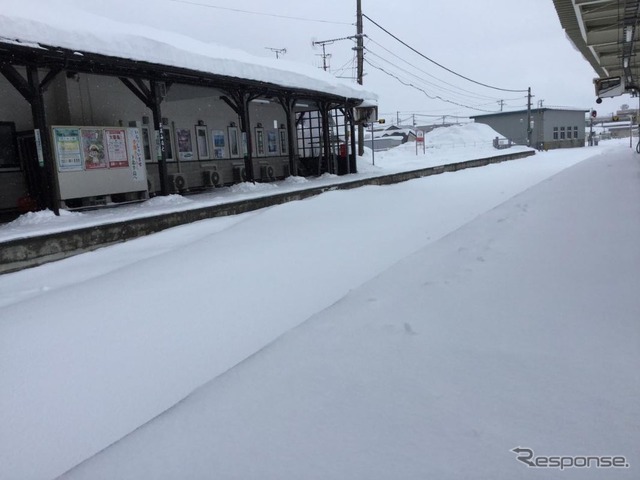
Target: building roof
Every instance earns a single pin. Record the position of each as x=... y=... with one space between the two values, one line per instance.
x=50 y=35
x=533 y=110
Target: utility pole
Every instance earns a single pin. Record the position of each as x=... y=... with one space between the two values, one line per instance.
x=324 y=54
x=325 y=65
x=501 y=102
x=360 y=65
x=529 y=130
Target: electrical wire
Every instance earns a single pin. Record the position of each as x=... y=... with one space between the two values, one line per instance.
x=432 y=97
x=431 y=84
x=438 y=64
x=274 y=15
x=433 y=76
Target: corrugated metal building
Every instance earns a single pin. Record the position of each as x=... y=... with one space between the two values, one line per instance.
x=550 y=128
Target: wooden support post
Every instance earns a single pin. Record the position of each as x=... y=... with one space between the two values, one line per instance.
x=353 y=162
x=326 y=137
x=245 y=123
x=48 y=182
x=154 y=105
x=239 y=100
x=288 y=104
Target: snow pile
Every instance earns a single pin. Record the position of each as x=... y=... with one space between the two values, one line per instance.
x=444 y=145
x=328 y=176
x=468 y=135
x=166 y=201
x=249 y=187
x=42 y=217
x=295 y=180
x=48 y=25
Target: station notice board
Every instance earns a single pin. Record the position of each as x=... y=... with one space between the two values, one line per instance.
x=96 y=161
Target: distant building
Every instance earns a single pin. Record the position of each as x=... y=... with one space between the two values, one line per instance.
x=551 y=128
x=386 y=138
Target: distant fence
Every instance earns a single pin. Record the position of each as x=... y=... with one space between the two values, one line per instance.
x=497 y=143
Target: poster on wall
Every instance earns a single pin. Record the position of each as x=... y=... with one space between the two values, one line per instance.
x=68 y=154
x=185 y=145
x=135 y=148
x=93 y=153
x=116 y=148
x=219 y=143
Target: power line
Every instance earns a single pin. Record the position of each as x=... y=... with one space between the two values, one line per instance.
x=432 y=97
x=429 y=74
x=473 y=97
x=438 y=64
x=274 y=15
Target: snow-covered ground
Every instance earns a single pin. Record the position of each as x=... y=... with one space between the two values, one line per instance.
x=419 y=330
x=519 y=329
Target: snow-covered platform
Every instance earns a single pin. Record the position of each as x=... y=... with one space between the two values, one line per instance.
x=519 y=329
x=466 y=314
x=23 y=249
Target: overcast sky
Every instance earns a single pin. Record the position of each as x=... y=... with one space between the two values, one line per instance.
x=510 y=44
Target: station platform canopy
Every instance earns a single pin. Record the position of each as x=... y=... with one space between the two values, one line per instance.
x=606 y=33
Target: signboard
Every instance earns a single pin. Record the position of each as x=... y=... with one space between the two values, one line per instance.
x=67 y=149
x=420 y=139
x=135 y=148
x=38 y=139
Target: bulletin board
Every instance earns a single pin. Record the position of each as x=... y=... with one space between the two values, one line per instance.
x=96 y=161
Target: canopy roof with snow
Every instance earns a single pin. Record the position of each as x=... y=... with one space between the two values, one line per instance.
x=89 y=43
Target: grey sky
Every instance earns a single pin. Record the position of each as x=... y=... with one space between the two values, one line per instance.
x=512 y=44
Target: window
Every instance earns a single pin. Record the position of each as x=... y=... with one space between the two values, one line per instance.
x=272 y=142
x=234 y=142
x=555 y=133
x=575 y=132
x=8 y=150
x=562 y=135
x=202 y=142
x=284 y=144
